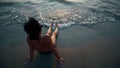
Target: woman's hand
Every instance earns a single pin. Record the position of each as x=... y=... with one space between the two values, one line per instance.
x=61 y=60
x=60 y=63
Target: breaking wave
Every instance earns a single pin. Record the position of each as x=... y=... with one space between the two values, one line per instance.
x=47 y=12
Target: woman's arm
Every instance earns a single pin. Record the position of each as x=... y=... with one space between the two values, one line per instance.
x=31 y=52
x=31 y=49
x=55 y=51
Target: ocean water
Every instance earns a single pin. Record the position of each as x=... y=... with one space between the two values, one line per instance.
x=80 y=22
x=65 y=12
x=70 y=15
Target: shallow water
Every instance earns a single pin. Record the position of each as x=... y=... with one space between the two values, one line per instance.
x=73 y=16
x=80 y=22
x=66 y=13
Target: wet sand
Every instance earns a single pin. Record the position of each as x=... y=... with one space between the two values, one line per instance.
x=103 y=51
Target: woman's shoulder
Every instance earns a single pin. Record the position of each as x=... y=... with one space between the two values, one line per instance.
x=45 y=36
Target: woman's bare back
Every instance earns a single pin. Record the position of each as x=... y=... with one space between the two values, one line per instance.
x=44 y=43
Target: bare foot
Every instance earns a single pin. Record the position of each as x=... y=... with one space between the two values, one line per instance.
x=52 y=24
x=56 y=24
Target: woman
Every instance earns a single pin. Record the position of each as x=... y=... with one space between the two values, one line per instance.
x=42 y=44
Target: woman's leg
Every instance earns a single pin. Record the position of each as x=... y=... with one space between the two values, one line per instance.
x=49 y=32
x=54 y=35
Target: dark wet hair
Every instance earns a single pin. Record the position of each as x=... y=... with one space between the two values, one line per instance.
x=33 y=28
